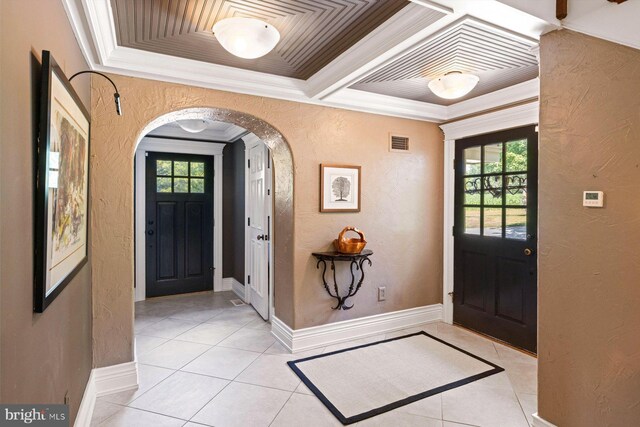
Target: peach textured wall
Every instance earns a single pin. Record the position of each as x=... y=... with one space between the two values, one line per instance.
x=44 y=355
x=401 y=203
x=589 y=291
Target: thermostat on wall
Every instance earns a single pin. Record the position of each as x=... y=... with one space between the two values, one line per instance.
x=593 y=199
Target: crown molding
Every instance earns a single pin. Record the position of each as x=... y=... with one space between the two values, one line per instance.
x=95 y=31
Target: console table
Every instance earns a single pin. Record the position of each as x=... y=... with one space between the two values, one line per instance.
x=356 y=261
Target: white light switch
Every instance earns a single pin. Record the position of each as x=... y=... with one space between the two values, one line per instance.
x=593 y=199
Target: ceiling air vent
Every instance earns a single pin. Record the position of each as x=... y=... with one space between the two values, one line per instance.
x=398 y=143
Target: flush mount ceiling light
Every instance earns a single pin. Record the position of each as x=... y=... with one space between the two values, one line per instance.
x=454 y=84
x=193 y=126
x=247 y=38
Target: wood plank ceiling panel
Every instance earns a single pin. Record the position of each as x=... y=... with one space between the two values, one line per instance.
x=499 y=59
x=313 y=32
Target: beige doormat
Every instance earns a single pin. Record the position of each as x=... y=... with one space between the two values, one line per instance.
x=362 y=382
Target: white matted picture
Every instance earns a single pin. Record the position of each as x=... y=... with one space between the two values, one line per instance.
x=62 y=185
x=340 y=188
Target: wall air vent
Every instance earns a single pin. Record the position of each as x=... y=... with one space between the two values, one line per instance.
x=398 y=143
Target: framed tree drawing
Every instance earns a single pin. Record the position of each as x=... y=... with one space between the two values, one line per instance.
x=62 y=185
x=340 y=188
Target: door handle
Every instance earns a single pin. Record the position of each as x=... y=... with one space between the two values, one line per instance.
x=528 y=252
x=261 y=237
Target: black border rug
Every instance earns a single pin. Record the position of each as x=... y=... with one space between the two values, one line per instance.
x=393 y=405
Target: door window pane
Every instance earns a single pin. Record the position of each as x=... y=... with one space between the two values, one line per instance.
x=493 y=222
x=181 y=168
x=472 y=161
x=163 y=167
x=517 y=156
x=197 y=185
x=472 y=188
x=493 y=190
x=197 y=169
x=181 y=185
x=163 y=185
x=492 y=158
x=516 y=186
x=472 y=221
x=516 y=227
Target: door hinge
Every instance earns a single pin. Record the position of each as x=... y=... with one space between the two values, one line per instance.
x=268 y=191
x=249 y=163
x=453 y=231
x=452 y=295
x=248 y=279
x=248 y=222
x=454 y=164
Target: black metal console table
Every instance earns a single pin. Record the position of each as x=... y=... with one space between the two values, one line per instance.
x=357 y=261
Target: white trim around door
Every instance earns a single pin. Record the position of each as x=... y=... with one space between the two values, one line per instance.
x=165 y=145
x=509 y=118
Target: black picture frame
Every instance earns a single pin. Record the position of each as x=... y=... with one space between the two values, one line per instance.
x=62 y=186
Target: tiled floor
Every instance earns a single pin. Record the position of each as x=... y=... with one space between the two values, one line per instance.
x=203 y=361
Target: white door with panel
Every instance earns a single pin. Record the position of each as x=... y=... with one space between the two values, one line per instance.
x=258 y=221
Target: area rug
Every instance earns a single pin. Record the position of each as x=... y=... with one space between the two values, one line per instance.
x=362 y=382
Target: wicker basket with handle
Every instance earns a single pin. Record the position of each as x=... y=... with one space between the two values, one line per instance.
x=347 y=245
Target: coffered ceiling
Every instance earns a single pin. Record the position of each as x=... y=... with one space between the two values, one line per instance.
x=313 y=32
x=501 y=59
x=368 y=55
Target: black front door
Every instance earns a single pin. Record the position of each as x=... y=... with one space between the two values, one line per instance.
x=179 y=210
x=496 y=201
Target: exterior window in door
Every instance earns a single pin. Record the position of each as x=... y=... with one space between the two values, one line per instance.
x=495 y=190
x=179 y=176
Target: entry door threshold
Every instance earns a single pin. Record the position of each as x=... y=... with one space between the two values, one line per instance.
x=499 y=341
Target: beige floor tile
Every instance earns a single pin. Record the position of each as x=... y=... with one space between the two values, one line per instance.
x=473 y=343
x=249 y=339
x=140 y=322
x=234 y=317
x=167 y=328
x=270 y=371
x=145 y=343
x=102 y=410
x=529 y=404
x=222 y=362
x=429 y=407
x=130 y=417
x=308 y=411
x=241 y=405
x=197 y=314
x=277 y=348
x=450 y=424
x=402 y=332
x=173 y=354
x=259 y=324
x=483 y=406
x=181 y=395
x=148 y=376
x=207 y=333
x=523 y=376
x=303 y=389
x=510 y=355
x=399 y=419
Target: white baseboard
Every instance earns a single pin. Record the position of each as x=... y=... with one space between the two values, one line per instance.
x=297 y=340
x=104 y=381
x=541 y=422
x=231 y=284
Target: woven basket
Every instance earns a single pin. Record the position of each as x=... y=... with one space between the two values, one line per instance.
x=350 y=245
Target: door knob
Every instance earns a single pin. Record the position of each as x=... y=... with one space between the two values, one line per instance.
x=260 y=237
x=528 y=252
x=150 y=232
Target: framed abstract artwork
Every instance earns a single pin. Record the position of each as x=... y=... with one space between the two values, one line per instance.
x=340 y=188
x=62 y=185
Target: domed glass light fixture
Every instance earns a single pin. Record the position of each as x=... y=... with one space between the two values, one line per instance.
x=454 y=84
x=193 y=126
x=247 y=38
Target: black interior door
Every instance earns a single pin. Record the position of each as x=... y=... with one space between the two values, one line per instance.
x=179 y=210
x=495 y=261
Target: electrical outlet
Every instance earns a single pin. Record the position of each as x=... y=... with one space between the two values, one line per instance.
x=382 y=293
